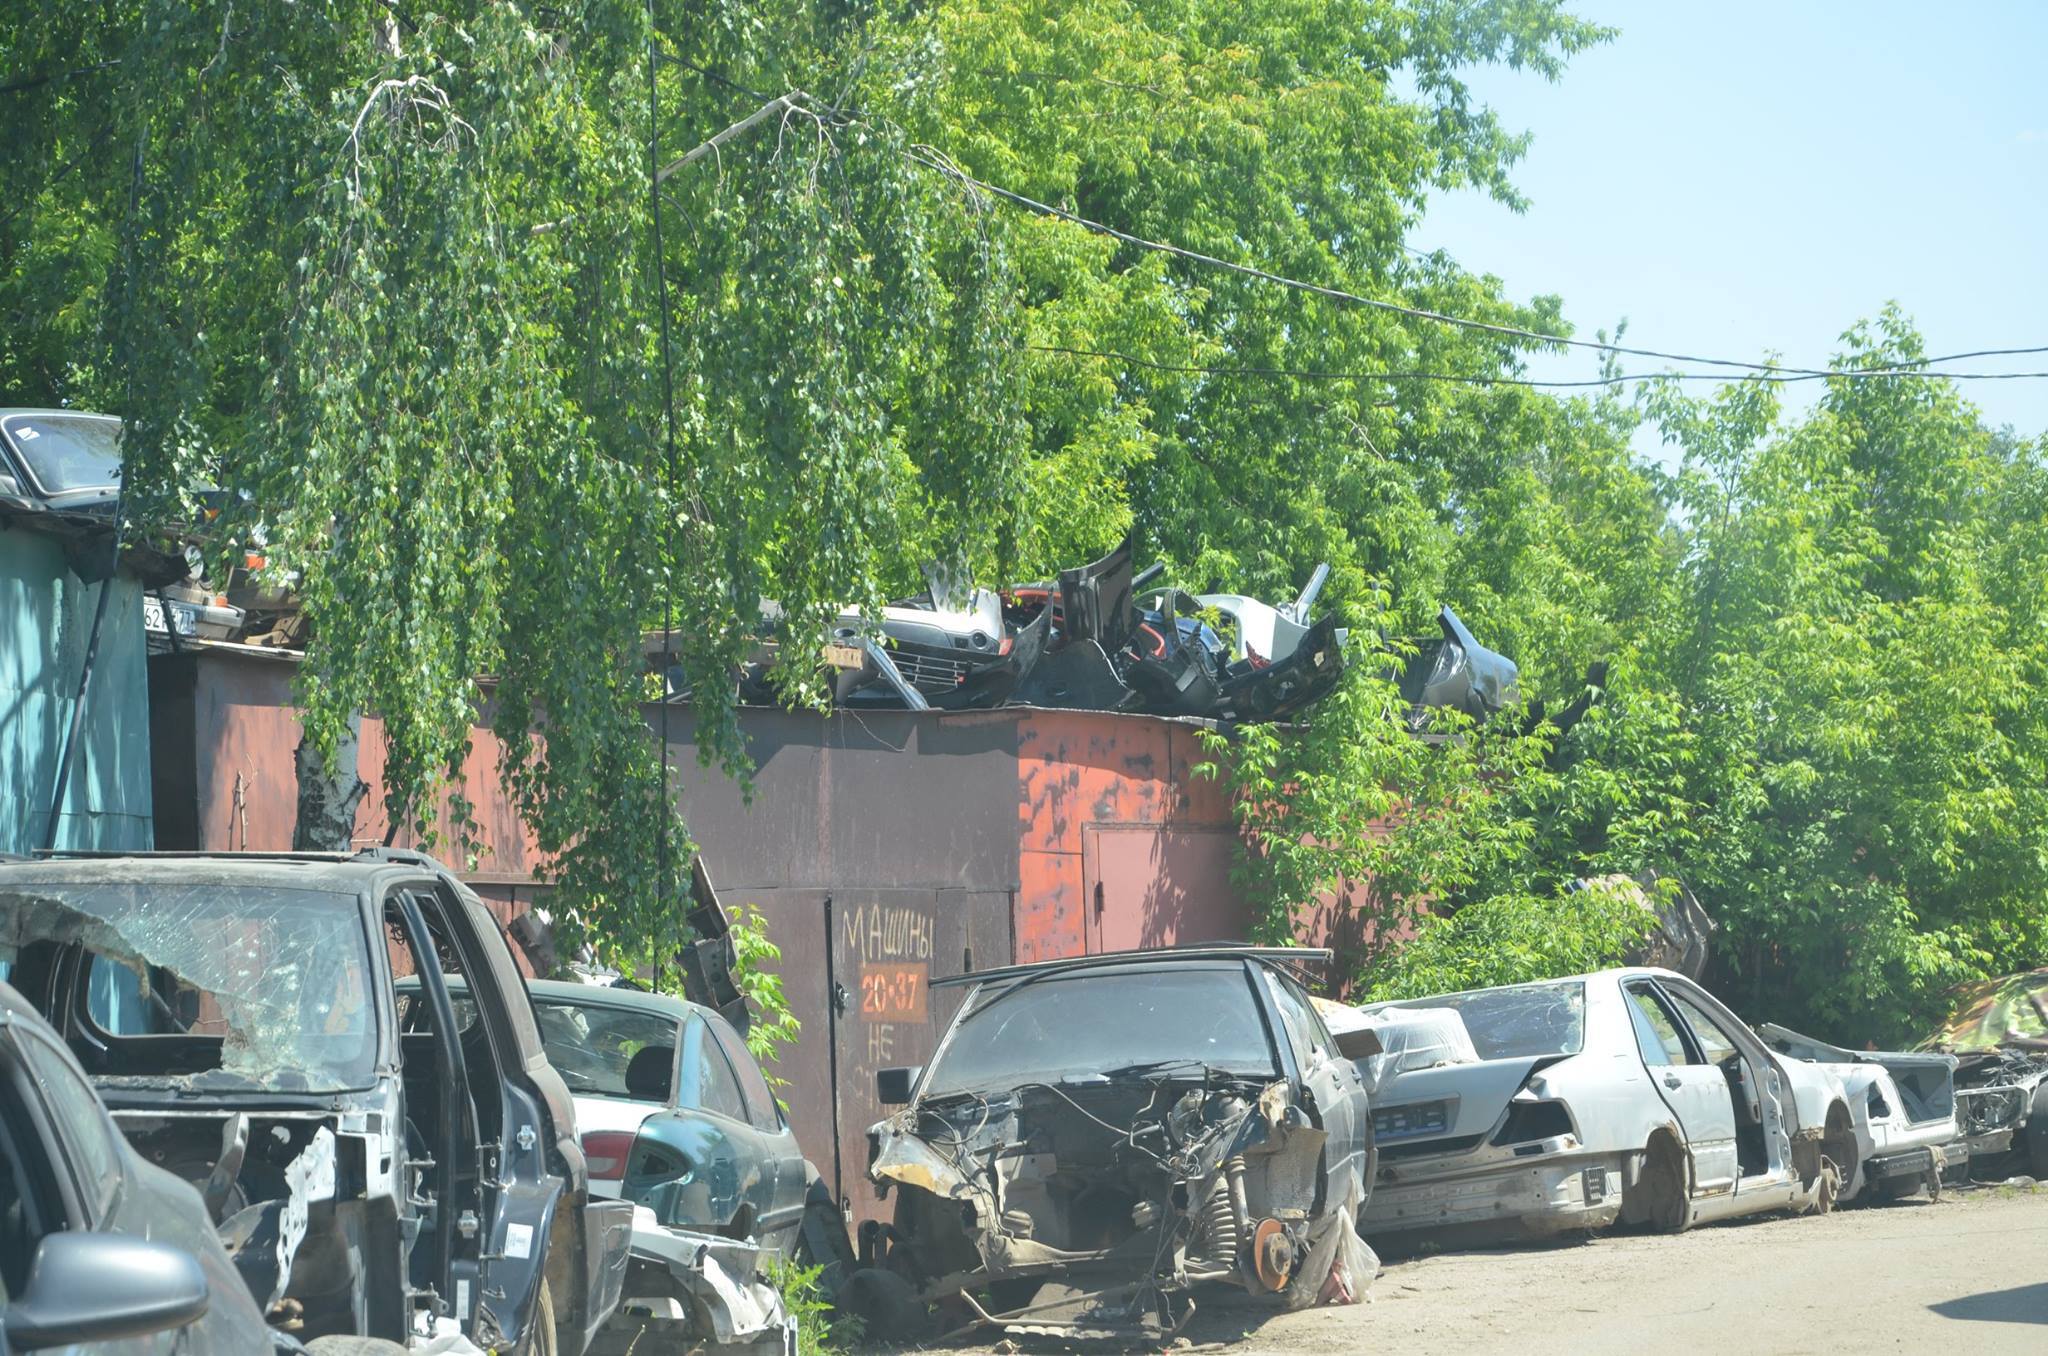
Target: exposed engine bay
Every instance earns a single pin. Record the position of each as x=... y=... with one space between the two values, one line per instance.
x=1094 y=1205
x=2002 y=1110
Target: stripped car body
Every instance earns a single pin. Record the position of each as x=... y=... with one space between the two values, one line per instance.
x=370 y=1174
x=1096 y=1135
x=1904 y=1105
x=1629 y=1094
x=1998 y=1032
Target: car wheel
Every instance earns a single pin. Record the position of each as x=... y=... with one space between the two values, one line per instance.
x=1664 y=1186
x=1827 y=1188
x=540 y=1333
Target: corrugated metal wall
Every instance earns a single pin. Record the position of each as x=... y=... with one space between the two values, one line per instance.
x=45 y=615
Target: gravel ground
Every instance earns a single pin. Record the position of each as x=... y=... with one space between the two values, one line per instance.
x=1966 y=1274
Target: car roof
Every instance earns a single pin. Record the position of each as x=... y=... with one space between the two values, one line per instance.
x=1207 y=954
x=605 y=996
x=344 y=873
x=1615 y=973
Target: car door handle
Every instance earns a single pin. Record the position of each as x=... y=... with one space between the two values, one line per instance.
x=1673 y=1081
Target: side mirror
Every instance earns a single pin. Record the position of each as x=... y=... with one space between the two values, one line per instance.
x=1359 y=1044
x=89 y=1288
x=892 y=1086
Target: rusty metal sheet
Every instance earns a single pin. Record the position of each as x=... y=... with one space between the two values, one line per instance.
x=1150 y=886
x=906 y=937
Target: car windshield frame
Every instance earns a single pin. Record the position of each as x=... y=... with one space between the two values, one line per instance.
x=40 y=425
x=144 y=944
x=1028 y=997
x=1484 y=1041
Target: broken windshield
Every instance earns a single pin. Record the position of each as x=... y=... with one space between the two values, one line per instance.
x=1522 y=1022
x=1044 y=1029
x=211 y=986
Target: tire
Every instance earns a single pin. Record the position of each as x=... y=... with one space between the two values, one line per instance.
x=540 y=1339
x=1665 y=1184
x=353 y=1346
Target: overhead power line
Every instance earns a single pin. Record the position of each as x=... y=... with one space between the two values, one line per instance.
x=931 y=159
x=1314 y=374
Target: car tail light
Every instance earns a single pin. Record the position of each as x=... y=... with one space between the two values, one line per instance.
x=607 y=1151
x=1533 y=1120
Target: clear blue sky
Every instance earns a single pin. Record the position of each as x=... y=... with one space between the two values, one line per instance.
x=1736 y=178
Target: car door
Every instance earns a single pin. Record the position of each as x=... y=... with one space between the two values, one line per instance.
x=1692 y=1086
x=784 y=1195
x=730 y=1173
x=1330 y=1078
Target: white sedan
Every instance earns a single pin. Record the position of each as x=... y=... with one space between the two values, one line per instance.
x=1629 y=1094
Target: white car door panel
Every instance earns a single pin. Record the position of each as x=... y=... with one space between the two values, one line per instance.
x=1696 y=1091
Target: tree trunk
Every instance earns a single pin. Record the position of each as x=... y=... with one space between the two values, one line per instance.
x=329 y=792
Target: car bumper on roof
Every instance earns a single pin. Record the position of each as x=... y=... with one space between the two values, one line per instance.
x=1548 y=1186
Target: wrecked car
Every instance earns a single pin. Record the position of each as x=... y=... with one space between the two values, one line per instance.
x=678 y=1118
x=1629 y=1094
x=1096 y=1136
x=1998 y=1030
x=96 y=1244
x=1904 y=1106
x=239 y=1016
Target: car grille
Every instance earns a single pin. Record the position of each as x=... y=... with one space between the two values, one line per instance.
x=927 y=671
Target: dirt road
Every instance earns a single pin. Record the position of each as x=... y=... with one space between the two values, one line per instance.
x=1967 y=1274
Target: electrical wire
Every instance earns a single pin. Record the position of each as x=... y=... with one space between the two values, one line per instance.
x=1782 y=378
x=933 y=160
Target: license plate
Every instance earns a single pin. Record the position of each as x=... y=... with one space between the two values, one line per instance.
x=153 y=617
x=845 y=657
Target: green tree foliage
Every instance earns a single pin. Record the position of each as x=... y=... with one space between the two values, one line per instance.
x=390 y=273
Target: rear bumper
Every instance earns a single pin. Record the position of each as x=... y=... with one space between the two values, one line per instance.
x=1554 y=1192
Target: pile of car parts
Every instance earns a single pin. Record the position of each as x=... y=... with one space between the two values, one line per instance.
x=1103 y=637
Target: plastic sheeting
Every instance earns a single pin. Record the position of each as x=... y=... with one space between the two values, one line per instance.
x=1339 y=1266
x=1410 y=1039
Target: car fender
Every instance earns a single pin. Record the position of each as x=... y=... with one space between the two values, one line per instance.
x=1815 y=1089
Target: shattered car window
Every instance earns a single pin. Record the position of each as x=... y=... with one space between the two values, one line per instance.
x=590 y=1046
x=1090 y=1022
x=1523 y=1022
x=212 y=986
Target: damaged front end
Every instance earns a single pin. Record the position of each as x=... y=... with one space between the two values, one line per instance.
x=1092 y=1207
x=1098 y=1135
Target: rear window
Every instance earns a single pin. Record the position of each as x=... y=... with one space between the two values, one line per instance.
x=1523 y=1022
x=592 y=1045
